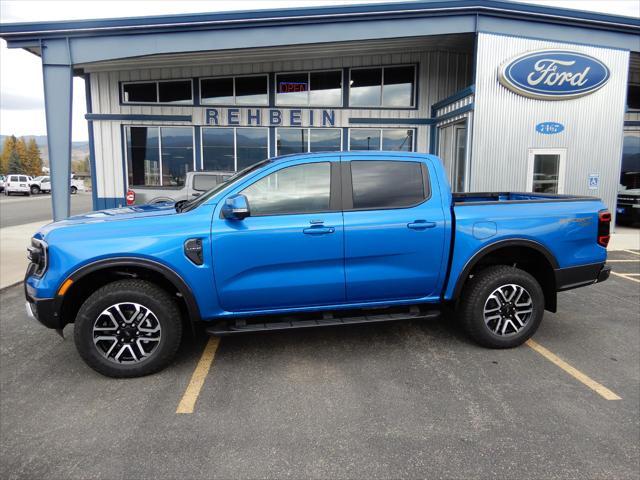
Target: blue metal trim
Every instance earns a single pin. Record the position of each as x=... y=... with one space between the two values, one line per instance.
x=433 y=131
x=276 y=17
x=272 y=89
x=346 y=78
x=390 y=121
x=110 y=116
x=92 y=151
x=453 y=98
x=197 y=140
x=345 y=139
x=632 y=123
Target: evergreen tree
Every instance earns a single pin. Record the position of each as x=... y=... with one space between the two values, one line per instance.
x=15 y=165
x=8 y=147
x=21 y=150
x=33 y=164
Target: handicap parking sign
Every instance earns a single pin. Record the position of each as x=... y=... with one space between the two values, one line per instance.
x=594 y=181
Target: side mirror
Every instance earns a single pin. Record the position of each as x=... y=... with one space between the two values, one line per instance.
x=236 y=207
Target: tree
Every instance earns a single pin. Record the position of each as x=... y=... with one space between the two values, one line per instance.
x=15 y=165
x=33 y=163
x=8 y=147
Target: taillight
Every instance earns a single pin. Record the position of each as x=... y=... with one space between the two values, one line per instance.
x=131 y=197
x=604 y=224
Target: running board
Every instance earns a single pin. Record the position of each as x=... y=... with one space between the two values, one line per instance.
x=328 y=319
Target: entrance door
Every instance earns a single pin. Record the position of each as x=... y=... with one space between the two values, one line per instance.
x=545 y=172
x=452 y=149
x=289 y=251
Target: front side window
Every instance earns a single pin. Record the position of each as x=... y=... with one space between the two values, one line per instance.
x=292 y=190
x=159 y=156
x=386 y=184
x=389 y=87
x=246 y=90
x=303 y=140
x=323 y=88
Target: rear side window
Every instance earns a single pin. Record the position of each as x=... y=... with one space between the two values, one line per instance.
x=23 y=179
x=384 y=184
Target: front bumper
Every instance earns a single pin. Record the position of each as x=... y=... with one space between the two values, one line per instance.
x=48 y=311
x=581 y=276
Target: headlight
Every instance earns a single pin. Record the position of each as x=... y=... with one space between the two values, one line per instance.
x=37 y=254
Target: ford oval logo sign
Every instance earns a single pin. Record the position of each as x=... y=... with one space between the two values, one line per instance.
x=554 y=74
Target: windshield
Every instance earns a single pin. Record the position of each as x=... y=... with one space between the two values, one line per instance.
x=195 y=203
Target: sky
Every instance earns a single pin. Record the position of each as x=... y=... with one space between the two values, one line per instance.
x=21 y=92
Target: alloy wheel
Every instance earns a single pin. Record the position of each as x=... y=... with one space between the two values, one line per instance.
x=508 y=309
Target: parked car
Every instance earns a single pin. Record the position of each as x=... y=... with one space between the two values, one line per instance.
x=195 y=184
x=306 y=241
x=17 y=184
x=628 y=207
x=2 y=179
x=42 y=184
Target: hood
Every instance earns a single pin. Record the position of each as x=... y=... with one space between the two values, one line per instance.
x=133 y=212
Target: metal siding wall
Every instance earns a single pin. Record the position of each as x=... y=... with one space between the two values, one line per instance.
x=441 y=74
x=505 y=123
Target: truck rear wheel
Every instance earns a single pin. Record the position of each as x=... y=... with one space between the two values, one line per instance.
x=502 y=307
x=128 y=328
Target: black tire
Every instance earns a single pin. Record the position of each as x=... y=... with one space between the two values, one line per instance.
x=35 y=190
x=74 y=190
x=476 y=294
x=149 y=296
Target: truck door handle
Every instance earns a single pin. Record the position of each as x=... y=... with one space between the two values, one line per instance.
x=420 y=225
x=318 y=230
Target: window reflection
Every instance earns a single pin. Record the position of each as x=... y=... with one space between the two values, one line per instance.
x=364 y=139
x=386 y=184
x=297 y=189
x=252 y=146
x=177 y=154
x=217 y=149
x=292 y=140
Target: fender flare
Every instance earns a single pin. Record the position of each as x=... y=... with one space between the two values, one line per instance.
x=487 y=249
x=175 y=279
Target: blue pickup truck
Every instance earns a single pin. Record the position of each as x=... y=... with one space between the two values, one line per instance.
x=311 y=240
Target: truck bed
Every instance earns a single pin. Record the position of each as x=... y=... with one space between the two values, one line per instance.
x=476 y=198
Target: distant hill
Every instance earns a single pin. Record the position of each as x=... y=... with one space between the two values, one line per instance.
x=79 y=150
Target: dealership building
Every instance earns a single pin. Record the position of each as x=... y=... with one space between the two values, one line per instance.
x=511 y=96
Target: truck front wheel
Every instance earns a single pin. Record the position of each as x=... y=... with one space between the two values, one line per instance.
x=128 y=328
x=502 y=306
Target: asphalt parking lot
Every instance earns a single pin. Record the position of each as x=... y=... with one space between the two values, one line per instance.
x=412 y=399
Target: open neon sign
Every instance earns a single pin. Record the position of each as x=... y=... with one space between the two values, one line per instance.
x=289 y=87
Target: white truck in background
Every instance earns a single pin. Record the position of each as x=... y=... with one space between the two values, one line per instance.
x=42 y=184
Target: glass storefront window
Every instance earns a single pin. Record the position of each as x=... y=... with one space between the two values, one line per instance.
x=392 y=87
x=143 y=156
x=292 y=140
x=366 y=87
x=252 y=146
x=230 y=149
x=303 y=140
x=217 y=91
x=177 y=154
x=164 y=91
x=218 y=152
x=323 y=88
x=398 y=139
x=245 y=90
x=325 y=140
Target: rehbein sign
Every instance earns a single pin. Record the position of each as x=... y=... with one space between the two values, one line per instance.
x=554 y=74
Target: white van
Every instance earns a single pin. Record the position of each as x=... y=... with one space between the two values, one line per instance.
x=17 y=184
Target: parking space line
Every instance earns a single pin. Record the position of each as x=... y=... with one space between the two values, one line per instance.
x=190 y=396
x=574 y=372
x=631 y=251
x=623 y=261
x=624 y=275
